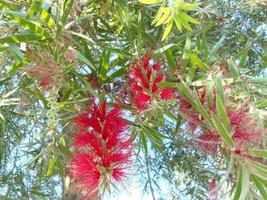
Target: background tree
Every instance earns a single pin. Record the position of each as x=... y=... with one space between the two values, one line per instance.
x=55 y=55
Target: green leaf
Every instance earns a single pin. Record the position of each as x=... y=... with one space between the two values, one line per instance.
x=37 y=94
x=33 y=26
x=222 y=130
x=239 y=185
x=245 y=183
x=43 y=14
x=51 y=165
x=66 y=10
x=189 y=6
x=242 y=55
x=10 y=93
x=222 y=114
x=118 y=73
x=4 y=79
x=184 y=91
x=216 y=47
x=170 y=59
x=258 y=153
x=220 y=89
x=158 y=15
x=258 y=169
x=259 y=80
x=80 y=57
x=163 y=49
x=23 y=37
x=191 y=75
x=86 y=83
x=170 y=114
x=260 y=186
x=167 y=30
x=242 y=184
x=88 y=55
x=198 y=106
x=183 y=21
x=150 y=1
x=17 y=65
x=143 y=140
x=263 y=181
x=140 y=31
x=104 y=64
x=154 y=133
x=186 y=17
x=261 y=104
x=82 y=36
x=198 y=62
x=164 y=17
x=46 y=16
x=178 y=22
x=168 y=84
x=8 y=4
x=204 y=45
x=160 y=117
x=233 y=70
x=154 y=136
x=16 y=52
x=187 y=47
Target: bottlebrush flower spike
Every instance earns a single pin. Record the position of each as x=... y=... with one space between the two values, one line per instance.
x=143 y=83
x=194 y=118
x=213 y=194
x=46 y=76
x=245 y=129
x=104 y=150
x=209 y=142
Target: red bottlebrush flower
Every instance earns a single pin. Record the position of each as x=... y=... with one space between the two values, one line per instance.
x=245 y=129
x=194 y=118
x=156 y=66
x=159 y=78
x=209 y=142
x=143 y=83
x=212 y=192
x=166 y=93
x=46 y=76
x=246 y=136
x=141 y=100
x=104 y=149
x=45 y=81
x=184 y=105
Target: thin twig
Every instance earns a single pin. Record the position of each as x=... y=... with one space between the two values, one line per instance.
x=149 y=179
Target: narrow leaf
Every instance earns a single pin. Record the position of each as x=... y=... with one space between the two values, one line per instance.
x=258 y=153
x=51 y=165
x=150 y=1
x=84 y=60
x=222 y=131
x=189 y=6
x=260 y=186
x=167 y=30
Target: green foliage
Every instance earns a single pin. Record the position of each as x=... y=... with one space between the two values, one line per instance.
x=173 y=12
x=216 y=44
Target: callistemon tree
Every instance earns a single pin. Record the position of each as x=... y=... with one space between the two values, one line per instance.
x=164 y=99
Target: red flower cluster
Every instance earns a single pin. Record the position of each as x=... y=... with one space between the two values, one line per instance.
x=244 y=129
x=104 y=149
x=143 y=83
x=186 y=108
x=46 y=76
x=212 y=192
x=209 y=142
